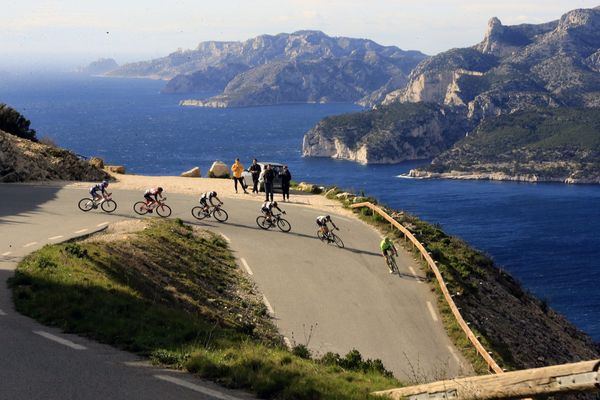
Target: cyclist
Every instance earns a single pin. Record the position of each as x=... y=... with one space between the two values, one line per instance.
x=151 y=195
x=387 y=249
x=206 y=200
x=100 y=187
x=322 y=221
x=267 y=209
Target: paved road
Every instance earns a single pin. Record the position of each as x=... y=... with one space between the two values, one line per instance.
x=331 y=299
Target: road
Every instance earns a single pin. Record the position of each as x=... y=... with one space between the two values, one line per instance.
x=328 y=298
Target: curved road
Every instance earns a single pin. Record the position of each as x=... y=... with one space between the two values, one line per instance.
x=328 y=298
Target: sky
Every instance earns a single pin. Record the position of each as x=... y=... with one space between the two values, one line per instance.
x=65 y=34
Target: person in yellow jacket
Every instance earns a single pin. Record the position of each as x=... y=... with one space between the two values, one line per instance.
x=237 y=168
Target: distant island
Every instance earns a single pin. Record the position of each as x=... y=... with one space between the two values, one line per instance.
x=99 y=67
x=300 y=67
x=519 y=105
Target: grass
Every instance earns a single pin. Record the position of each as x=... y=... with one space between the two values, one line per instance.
x=175 y=295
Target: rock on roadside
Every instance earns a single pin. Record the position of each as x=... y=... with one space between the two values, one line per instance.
x=192 y=173
x=218 y=169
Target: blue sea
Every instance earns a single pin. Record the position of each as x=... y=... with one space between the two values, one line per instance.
x=546 y=235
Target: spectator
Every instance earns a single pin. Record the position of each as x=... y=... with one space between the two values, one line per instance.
x=255 y=171
x=286 y=177
x=237 y=168
x=269 y=177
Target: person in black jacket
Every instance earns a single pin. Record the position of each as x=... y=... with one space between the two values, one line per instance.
x=269 y=177
x=286 y=177
x=255 y=171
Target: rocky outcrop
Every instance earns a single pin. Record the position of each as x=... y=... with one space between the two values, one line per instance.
x=304 y=66
x=22 y=160
x=390 y=134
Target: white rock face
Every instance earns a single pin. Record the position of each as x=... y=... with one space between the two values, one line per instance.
x=218 y=169
x=192 y=173
x=321 y=146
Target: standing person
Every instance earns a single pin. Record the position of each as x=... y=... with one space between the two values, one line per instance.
x=286 y=177
x=237 y=168
x=255 y=171
x=269 y=177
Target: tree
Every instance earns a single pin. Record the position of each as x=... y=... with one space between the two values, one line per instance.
x=11 y=121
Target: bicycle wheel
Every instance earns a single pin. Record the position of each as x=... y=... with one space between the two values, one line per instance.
x=283 y=225
x=85 y=204
x=109 y=206
x=163 y=210
x=336 y=239
x=262 y=222
x=140 y=208
x=198 y=213
x=320 y=235
x=220 y=215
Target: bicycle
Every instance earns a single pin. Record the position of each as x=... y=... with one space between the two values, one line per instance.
x=264 y=223
x=162 y=210
x=330 y=237
x=217 y=212
x=391 y=264
x=106 y=204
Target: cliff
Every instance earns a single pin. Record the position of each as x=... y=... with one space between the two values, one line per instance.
x=534 y=67
x=22 y=160
x=99 y=67
x=389 y=134
x=558 y=145
x=303 y=66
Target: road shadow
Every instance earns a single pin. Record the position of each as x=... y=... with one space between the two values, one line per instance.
x=24 y=201
x=404 y=275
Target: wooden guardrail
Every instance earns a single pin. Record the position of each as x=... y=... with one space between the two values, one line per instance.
x=576 y=377
x=493 y=366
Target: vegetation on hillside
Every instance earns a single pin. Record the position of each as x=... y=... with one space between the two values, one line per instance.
x=11 y=121
x=175 y=294
x=551 y=143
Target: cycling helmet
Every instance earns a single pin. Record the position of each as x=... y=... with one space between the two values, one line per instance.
x=159 y=189
x=387 y=239
x=105 y=183
x=275 y=204
x=213 y=193
x=328 y=217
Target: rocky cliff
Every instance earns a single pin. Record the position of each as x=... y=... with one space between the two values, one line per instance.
x=389 y=134
x=22 y=160
x=556 y=144
x=514 y=68
x=303 y=66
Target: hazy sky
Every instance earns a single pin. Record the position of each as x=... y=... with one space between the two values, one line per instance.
x=76 y=32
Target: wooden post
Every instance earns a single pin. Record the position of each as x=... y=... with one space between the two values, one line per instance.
x=576 y=377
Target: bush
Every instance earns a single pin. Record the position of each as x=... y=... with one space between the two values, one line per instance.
x=301 y=351
x=11 y=121
x=76 y=250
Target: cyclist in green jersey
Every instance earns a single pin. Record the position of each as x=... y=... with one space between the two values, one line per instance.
x=387 y=248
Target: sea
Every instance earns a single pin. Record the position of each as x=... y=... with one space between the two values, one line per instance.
x=544 y=234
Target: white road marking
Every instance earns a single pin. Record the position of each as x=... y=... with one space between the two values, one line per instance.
x=60 y=340
x=412 y=270
x=287 y=342
x=269 y=307
x=55 y=237
x=29 y=244
x=454 y=354
x=2 y=313
x=196 y=388
x=102 y=224
x=246 y=266
x=81 y=230
x=6 y=253
x=226 y=238
x=432 y=311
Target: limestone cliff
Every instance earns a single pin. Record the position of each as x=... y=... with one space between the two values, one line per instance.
x=390 y=134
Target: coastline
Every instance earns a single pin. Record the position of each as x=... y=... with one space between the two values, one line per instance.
x=496 y=176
